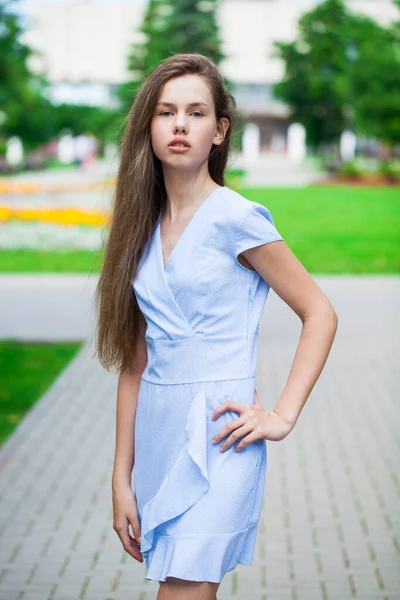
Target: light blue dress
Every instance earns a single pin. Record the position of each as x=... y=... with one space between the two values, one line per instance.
x=198 y=507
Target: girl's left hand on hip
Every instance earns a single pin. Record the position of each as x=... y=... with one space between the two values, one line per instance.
x=254 y=422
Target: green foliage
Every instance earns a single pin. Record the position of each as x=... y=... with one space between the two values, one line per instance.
x=192 y=27
x=391 y=169
x=350 y=168
x=25 y=110
x=145 y=54
x=342 y=71
x=85 y=119
x=362 y=165
x=359 y=165
x=375 y=81
x=314 y=82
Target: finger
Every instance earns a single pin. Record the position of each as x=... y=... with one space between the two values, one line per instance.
x=229 y=405
x=129 y=545
x=135 y=527
x=239 y=433
x=229 y=427
x=252 y=437
x=135 y=550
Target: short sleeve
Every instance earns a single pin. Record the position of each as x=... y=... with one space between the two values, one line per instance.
x=256 y=228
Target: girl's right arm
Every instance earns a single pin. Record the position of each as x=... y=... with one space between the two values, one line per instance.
x=124 y=502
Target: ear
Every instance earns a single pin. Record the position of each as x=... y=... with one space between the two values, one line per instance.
x=222 y=128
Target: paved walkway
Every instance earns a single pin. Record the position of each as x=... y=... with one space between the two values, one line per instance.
x=47 y=307
x=330 y=525
x=276 y=170
x=69 y=175
x=268 y=170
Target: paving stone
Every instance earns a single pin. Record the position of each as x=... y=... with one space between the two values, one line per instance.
x=330 y=524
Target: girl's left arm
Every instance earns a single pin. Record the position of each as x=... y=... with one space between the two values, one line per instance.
x=276 y=263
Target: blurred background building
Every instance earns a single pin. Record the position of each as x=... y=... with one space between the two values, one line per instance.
x=83 y=47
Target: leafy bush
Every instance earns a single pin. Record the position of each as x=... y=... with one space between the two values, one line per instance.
x=351 y=168
x=390 y=168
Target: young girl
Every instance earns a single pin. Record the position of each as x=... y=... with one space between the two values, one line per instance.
x=188 y=266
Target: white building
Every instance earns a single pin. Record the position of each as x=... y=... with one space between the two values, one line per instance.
x=84 y=44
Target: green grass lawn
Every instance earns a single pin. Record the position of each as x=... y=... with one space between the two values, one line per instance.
x=56 y=261
x=330 y=229
x=337 y=229
x=27 y=371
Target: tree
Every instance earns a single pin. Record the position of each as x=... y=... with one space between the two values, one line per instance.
x=335 y=78
x=169 y=28
x=374 y=77
x=192 y=27
x=314 y=85
x=25 y=110
x=146 y=54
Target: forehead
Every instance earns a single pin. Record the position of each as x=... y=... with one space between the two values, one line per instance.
x=186 y=89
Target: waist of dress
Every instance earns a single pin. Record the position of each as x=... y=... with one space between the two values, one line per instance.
x=198 y=358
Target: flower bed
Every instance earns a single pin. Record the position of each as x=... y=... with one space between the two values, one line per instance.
x=60 y=216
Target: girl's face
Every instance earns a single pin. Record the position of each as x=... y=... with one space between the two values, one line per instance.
x=185 y=109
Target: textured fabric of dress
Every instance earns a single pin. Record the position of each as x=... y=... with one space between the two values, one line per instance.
x=198 y=507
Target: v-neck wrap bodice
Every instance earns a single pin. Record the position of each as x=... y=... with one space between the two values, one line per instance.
x=202 y=313
x=205 y=301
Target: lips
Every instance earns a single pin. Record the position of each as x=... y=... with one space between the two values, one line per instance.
x=179 y=142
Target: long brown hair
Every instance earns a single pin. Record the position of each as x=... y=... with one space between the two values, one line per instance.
x=138 y=199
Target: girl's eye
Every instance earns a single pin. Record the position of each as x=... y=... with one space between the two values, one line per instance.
x=168 y=111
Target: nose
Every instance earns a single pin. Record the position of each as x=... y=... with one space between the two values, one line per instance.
x=180 y=123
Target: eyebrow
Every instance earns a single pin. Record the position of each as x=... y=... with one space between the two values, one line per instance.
x=190 y=104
